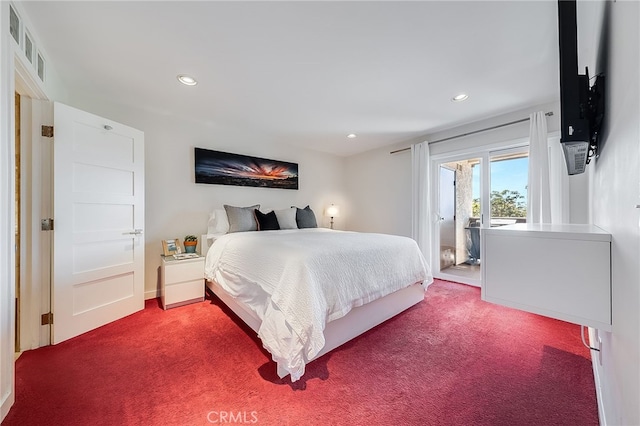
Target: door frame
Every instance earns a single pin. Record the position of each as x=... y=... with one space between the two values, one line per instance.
x=35 y=281
x=16 y=76
x=436 y=162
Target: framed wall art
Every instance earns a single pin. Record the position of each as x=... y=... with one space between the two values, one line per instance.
x=223 y=168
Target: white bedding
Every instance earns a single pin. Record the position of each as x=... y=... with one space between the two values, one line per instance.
x=296 y=281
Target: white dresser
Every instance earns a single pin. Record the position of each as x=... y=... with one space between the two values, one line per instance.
x=559 y=271
x=182 y=281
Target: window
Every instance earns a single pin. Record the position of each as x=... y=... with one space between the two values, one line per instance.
x=14 y=25
x=40 y=67
x=28 y=47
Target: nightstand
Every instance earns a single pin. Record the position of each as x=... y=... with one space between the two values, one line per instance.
x=182 y=281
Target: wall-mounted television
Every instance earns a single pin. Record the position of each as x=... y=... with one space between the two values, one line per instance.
x=581 y=104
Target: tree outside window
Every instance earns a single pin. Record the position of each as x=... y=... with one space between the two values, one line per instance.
x=504 y=203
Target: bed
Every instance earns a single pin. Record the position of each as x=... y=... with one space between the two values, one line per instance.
x=308 y=291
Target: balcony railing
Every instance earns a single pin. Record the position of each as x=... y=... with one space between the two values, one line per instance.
x=497 y=221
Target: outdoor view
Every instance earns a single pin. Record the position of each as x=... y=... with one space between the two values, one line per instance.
x=508 y=188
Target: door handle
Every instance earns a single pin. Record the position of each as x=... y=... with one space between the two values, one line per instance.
x=134 y=232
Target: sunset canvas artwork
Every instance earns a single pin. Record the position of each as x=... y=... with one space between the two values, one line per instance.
x=223 y=168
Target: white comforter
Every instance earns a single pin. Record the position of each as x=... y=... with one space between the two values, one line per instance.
x=297 y=281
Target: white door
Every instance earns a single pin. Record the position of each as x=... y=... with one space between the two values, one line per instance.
x=98 y=251
x=447 y=209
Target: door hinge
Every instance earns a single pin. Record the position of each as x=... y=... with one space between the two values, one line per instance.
x=47 y=318
x=47 y=131
x=46 y=224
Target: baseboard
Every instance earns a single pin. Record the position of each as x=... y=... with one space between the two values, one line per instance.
x=8 y=401
x=597 y=373
x=151 y=294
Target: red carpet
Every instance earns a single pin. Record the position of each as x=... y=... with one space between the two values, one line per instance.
x=450 y=360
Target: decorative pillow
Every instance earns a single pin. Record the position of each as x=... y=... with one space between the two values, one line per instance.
x=287 y=218
x=305 y=218
x=218 y=222
x=242 y=219
x=267 y=221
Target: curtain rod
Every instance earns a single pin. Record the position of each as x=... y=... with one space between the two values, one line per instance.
x=548 y=114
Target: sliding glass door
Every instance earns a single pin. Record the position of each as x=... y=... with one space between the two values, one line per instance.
x=475 y=189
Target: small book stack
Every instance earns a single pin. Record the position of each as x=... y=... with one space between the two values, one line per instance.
x=183 y=256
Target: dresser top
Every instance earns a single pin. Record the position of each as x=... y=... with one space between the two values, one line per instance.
x=572 y=231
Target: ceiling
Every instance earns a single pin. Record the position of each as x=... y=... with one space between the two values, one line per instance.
x=309 y=73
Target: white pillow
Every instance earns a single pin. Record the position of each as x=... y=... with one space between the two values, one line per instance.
x=287 y=218
x=218 y=222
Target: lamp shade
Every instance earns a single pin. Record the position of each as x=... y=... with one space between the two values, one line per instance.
x=332 y=211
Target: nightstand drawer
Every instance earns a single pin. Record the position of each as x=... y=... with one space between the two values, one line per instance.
x=183 y=293
x=184 y=270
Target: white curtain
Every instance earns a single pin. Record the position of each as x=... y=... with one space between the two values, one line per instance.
x=539 y=200
x=421 y=223
x=559 y=181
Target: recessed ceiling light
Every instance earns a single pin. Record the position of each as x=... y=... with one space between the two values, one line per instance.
x=351 y=135
x=186 y=79
x=461 y=97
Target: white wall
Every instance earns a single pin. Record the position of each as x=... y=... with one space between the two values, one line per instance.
x=379 y=190
x=614 y=194
x=176 y=206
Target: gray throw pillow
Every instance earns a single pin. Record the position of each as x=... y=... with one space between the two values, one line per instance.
x=305 y=218
x=242 y=219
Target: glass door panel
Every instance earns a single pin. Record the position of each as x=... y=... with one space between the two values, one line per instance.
x=509 y=179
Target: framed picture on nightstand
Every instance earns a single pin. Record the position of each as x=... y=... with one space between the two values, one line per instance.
x=171 y=247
